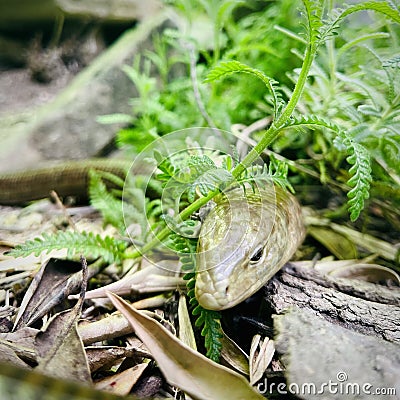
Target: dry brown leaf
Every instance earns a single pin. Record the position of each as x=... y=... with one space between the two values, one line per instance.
x=373 y=273
x=261 y=354
x=106 y=357
x=20 y=344
x=183 y=367
x=50 y=286
x=122 y=382
x=338 y=244
x=233 y=355
x=60 y=348
x=186 y=334
x=9 y=354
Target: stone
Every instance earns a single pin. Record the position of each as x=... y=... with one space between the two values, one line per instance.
x=66 y=128
x=327 y=361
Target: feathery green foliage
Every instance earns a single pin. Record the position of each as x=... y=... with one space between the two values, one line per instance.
x=196 y=172
x=102 y=200
x=359 y=158
x=231 y=67
x=207 y=320
x=360 y=175
x=276 y=172
x=90 y=245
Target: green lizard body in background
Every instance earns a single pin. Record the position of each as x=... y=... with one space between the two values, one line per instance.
x=66 y=179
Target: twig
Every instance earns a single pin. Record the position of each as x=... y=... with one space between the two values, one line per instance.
x=195 y=84
x=61 y=206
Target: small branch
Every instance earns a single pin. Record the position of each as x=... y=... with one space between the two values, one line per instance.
x=195 y=84
x=61 y=206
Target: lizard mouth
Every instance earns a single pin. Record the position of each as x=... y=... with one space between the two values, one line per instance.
x=208 y=301
x=212 y=296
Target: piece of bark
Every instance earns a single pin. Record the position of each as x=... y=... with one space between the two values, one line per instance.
x=331 y=300
x=356 y=288
x=328 y=361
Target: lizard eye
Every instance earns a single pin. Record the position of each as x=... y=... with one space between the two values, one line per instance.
x=257 y=255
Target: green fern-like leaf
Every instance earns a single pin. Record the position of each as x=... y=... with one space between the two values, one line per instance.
x=393 y=62
x=192 y=174
x=187 y=229
x=313 y=11
x=165 y=164
x=310 y=121
x=360 y=172
x=360 y=180
x=102 y=200
x=227 y=68
x=382 y=7
x=193 y=167
x=211 y=329
x=338 y=15
x=209 y=181
x=332 y=23
x=186 y=249
x=208 y=319
x=358 y=157
x=276 y=172
x=87 y=243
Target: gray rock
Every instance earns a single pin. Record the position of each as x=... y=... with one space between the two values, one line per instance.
x=327 y=361
x=66 y=128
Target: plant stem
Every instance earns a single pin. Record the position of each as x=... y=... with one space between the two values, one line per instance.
x=272 y=133
x=160 y=236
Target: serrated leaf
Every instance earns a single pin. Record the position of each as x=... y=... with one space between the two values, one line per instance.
x=379 y=6
x=209 y=181
x=103 y=201
x=87 y=243
x=227 y=68
x=360 y=181
x=358 y=157
x=314 y=22
x=275 y=173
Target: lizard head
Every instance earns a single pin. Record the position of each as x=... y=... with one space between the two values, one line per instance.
x=243 y=242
